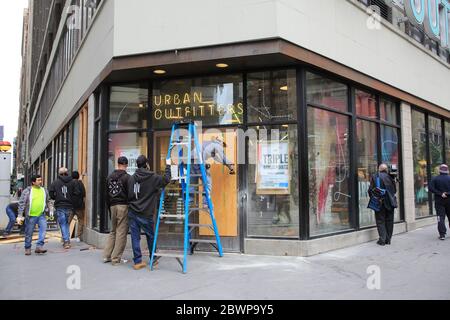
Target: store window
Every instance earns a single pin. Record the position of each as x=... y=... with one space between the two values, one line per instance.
x=390 y=152
x=420 y=164
x=436 y=149
x=130 y=145
x=366 y=104
x=272 y=96
x=128 y=107
x=214 y=100
x=325 y=92
x=272 y=182
x=367 y=150
x=329 y=171
x=388 y=110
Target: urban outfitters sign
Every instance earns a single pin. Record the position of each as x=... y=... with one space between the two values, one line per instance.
x=433 y=16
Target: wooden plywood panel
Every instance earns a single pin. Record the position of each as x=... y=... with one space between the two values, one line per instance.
x=224 y=192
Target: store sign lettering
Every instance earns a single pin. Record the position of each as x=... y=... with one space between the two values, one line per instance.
x=191 y=105
x=433 y=15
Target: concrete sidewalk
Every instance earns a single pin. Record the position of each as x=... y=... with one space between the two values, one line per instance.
x=415 y=266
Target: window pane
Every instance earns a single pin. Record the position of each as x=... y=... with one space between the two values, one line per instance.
x=420 y=164
x=390 y=155
x=76 y=142
x=435 y=137
x=128 y=107
x=130 y=145
x=212 y=100
x=329 y=171
x=326 y=92
x=447 y=142
x=272 y=96
x=388 y=110
x=365 y=104
x=367 y=166
x=272 y=182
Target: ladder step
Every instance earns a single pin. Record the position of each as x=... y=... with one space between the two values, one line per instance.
x=180 y=143
x=198 y=209
x=179 y=216
x=196 y=225
x=174 y=254
x=202 y=241
x=173 y=222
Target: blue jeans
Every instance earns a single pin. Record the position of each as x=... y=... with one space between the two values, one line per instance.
x=12 y=220
x=136 y=223
x=29 y=229
x=63 y=221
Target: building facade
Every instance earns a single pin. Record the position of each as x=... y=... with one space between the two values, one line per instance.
x=309 y=96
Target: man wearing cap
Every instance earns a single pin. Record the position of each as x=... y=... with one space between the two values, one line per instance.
x=440 y=187
x=117 y=201
x=144 y=189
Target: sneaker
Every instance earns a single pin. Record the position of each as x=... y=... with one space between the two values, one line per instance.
x=40 y=251
x=107 y=260
x=140 y=266
x=28 y=252
x=77 y=240
x=442 y=238
x=67 y=245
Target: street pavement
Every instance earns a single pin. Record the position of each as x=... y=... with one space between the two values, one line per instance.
x=415 y=266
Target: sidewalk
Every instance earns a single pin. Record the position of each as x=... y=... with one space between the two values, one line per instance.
x=415 y=266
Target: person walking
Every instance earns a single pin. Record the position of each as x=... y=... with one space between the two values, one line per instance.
x=117 y=201
x=385 y=216
x=33 y=204
x=78 y=204
x=62 y=191
x=12 y=211
x=440 y=187
x=144 y=189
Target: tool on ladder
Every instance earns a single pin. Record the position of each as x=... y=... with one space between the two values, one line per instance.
x=183 y=172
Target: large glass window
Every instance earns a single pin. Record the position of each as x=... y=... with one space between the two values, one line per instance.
x=128 y=107
x=212 y=100
x=329 y=171
x=272 y=182
x=367 y=149
x=420 y=164
x=435 y=138
x=325 y=92
x=130 y=145
x=272 y=96
x=366 y=104
x=388 y=110
x=390 y=152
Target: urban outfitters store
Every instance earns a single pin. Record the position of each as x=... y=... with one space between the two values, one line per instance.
x=304 y=143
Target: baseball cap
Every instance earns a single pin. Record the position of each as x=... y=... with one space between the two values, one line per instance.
x=443 y=169
x=122 y=161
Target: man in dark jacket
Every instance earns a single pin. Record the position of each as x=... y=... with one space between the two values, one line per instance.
x=385 y=217
x=117 y=200
x=440 y=186
x=78 y=204
x=63 y=192
x=144 y=189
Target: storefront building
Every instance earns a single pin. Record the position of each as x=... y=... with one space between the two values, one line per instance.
x=306 y=119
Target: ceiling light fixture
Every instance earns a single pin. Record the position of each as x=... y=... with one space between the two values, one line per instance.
x=159 y=71
x=222 y=65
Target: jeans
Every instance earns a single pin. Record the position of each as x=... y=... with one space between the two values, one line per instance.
x=12 y=220
x=136 y=223
x=29 y=229
x=63 y=215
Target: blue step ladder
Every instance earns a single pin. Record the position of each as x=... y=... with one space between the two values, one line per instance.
x=184 y=138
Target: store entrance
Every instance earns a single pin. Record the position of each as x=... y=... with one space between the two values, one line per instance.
x=224 y=192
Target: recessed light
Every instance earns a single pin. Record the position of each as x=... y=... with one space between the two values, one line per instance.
x=222 y=65
x=284 y=88
x=159 y=71
x=141 y=105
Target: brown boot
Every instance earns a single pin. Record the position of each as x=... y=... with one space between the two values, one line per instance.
x=140 y=266
x=67 y=245
x=40 y=251
x=28 y=252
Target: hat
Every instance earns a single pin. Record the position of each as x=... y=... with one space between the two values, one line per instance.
x=443 y=169
x=122 y=161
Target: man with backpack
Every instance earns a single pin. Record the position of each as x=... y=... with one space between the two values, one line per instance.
x=144 y=189
x=382 y=185
x=440 y=187
x=78 y=204
x=63 y=191
x=117 y=201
